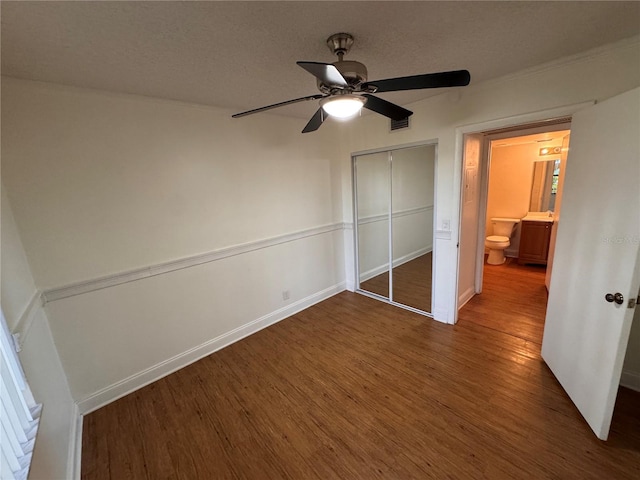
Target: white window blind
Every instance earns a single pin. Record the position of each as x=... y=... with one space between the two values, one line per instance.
x=19 y=413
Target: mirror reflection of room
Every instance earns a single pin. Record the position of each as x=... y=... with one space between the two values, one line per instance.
x=413 y=194
x=372 y=194
x=544 y=186
x=401 y=182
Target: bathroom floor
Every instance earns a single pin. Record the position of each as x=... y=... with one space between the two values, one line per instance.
x=513 y=300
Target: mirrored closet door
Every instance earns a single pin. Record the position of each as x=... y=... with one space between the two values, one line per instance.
x=394 y=209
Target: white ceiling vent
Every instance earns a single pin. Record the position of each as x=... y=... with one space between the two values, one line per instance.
x=399 y=124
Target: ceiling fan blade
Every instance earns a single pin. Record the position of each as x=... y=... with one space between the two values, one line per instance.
x=385 y=108
x=276 y=105
x=457 y=78
x=325 y=72
x=315 y=121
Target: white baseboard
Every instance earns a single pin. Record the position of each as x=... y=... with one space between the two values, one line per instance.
x=630 y=380
x=467 y=295
x=441 y=315
x=374 y=272
x=74 y=461
x=411 y=256
x=141 y=379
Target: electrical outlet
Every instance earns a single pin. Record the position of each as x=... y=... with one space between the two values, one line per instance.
x=285 y=295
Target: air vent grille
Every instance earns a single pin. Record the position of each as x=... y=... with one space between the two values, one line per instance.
x=399 y=124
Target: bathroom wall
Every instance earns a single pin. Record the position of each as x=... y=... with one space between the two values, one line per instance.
x=510 y=177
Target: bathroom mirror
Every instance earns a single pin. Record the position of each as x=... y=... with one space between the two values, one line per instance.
x=394 y=199
x=544 y=185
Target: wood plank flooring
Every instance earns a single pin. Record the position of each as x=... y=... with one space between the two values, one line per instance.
x=353 y=388
x=513 y=300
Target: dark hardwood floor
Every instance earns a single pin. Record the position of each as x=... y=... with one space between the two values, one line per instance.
x=411 y=283
x=353 y=388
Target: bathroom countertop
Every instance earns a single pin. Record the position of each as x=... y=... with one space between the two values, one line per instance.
x=531 y=218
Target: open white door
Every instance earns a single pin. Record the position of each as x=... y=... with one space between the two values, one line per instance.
x=597 y=252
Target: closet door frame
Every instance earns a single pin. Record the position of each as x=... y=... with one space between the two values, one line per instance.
x=354 y=190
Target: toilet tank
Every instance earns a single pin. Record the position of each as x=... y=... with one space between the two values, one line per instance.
x=504 y=226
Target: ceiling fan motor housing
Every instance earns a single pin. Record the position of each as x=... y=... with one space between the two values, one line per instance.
x=340 y=43
x=355 y=73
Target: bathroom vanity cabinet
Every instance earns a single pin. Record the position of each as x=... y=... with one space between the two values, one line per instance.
x=534 y=241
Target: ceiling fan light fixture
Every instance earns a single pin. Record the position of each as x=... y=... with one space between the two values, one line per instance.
x=344 y=89
x=343 y=106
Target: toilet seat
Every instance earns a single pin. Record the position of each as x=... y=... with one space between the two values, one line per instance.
x=497 y=238
x=497 y=241
x=496 y=245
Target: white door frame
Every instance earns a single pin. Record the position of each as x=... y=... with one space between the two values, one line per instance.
x=485 y=167
x=507 y=122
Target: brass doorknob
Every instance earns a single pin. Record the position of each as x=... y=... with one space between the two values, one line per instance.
x=614 y=297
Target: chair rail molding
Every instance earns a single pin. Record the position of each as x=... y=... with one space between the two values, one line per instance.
x=58 y=293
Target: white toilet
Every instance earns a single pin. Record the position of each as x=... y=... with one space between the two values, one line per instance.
x=496 y=243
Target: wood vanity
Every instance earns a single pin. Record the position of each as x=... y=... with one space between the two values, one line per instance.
x=534 y=241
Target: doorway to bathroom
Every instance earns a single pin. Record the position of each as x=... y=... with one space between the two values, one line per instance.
x=588 y=342
x=511 y=200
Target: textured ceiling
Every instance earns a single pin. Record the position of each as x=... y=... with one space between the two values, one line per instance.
x=242 y=55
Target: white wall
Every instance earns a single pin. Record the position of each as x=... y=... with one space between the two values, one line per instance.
x=595 y=75
x=18 y=287
x=54 y=455
x=105 y=184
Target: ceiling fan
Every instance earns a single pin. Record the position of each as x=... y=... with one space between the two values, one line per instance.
x=345 y=90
